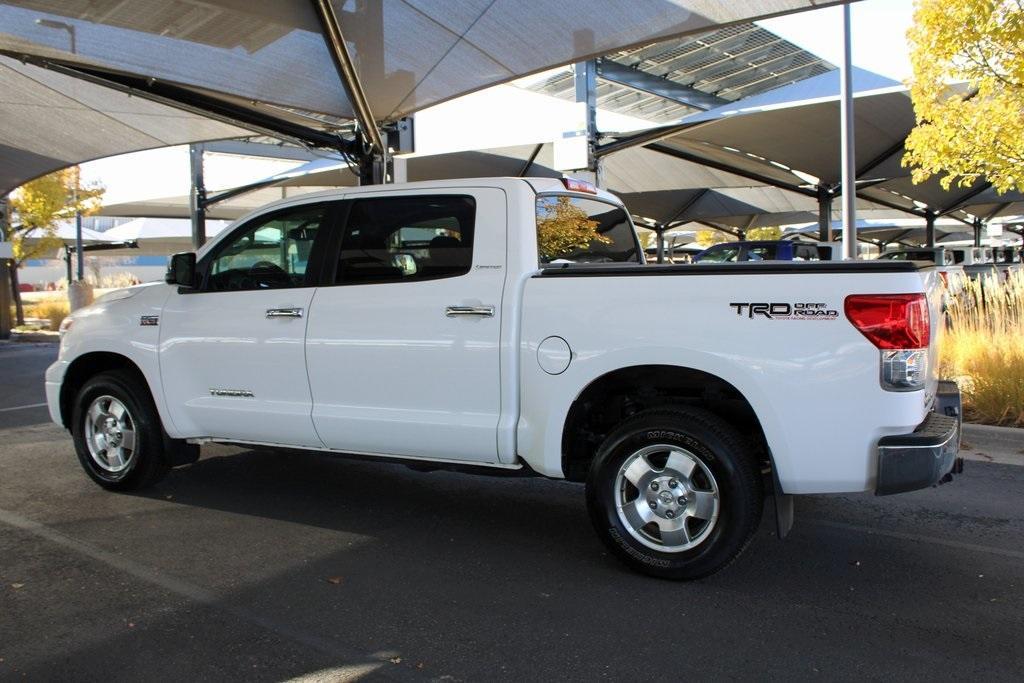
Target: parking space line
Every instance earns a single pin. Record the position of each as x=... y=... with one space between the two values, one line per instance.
x=361 y=663
x=31 y=405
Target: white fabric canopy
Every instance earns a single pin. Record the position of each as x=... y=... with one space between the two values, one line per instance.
x=49 y=121
x=409 y=53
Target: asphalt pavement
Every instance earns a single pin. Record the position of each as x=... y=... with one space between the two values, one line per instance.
x=256 y=566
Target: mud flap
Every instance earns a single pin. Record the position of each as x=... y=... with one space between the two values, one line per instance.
x=783 y=507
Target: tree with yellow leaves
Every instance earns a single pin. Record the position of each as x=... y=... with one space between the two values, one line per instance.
x=968 y=92
x=38 y=205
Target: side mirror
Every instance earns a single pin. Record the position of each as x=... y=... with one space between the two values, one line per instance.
x=181 y=270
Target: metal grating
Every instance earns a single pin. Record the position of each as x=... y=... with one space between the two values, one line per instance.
x=732 y=63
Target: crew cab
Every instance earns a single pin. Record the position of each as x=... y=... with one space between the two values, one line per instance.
x=511 y=325
x=769 y=250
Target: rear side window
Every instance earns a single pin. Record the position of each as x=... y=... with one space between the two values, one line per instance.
x=577 y=230
x=761 y=253
x=394 y=239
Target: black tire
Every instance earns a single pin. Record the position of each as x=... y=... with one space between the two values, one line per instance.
x=712 y=442
x=148 y=463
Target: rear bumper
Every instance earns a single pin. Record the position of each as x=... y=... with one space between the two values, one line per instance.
x=928 y=455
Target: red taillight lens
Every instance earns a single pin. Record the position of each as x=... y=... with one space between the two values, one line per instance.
x=891 y=321
x=577 y=185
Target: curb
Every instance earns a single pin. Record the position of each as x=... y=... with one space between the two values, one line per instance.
x=989 y=443
x=34 y=337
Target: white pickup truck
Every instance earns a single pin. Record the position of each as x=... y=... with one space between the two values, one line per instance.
x=511 y=324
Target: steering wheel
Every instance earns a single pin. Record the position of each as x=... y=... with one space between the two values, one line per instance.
x=268 y=274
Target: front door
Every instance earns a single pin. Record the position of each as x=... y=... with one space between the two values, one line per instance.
x=232 y=360
x=403 y=348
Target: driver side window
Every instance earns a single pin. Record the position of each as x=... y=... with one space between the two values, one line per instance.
x=271 y=253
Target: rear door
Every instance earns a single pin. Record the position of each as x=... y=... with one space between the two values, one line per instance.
x=403 y=348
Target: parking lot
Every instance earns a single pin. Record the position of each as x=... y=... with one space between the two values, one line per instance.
x=261 y=566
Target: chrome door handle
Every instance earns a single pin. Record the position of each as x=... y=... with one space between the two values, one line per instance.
x=482 y=311
x=284 y=312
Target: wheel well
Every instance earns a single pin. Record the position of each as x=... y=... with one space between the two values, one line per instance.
x=86 y=366
x=613 y=397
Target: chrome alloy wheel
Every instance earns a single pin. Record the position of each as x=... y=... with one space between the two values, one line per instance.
x=110 y=435
x=667 y=498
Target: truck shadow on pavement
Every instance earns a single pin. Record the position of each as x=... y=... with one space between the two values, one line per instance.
x=310 y=562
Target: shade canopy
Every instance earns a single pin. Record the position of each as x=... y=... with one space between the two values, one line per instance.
x=409 y=53
x=324 y=174
x=264 y=65
x=65 y=231
x=798 y=126
x=158 y=236
x=789 y=137
x=49 y=120
x=895 y=232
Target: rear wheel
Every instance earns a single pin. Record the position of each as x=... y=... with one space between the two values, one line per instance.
x=675 y=493
x=117 y=432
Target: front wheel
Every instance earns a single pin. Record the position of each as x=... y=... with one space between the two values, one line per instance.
x=117 y=432
x=675 y=493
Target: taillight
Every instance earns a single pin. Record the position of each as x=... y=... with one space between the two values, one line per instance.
x=577 y=185
x=898 y=325
x=891 y=321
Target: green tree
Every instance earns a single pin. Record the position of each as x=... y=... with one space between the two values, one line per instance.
x=37 y=206
x=962 y=135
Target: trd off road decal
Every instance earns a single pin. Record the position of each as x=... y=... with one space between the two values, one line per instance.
x=784 y=311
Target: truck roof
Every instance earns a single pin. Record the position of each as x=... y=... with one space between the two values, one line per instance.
x=539 y=185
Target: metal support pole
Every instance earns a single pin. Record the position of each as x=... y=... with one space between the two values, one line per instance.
x=346 y=68
x=977 y=232
x=660 y=232
x=849 y=157
x=79 y=255
x=929 y=228
x=197 y=196
x=6 y=295
x=67 y=261
x=586 y=94
x=824 y=213
x=373 y=169
x=79 y=252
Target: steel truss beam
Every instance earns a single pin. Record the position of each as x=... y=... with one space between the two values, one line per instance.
x=635 y=79
x=191 y=101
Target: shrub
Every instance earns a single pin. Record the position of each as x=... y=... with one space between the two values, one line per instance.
x=52 y=310
x=983 y=348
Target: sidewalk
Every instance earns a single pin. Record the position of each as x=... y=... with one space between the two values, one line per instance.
x=985 y=443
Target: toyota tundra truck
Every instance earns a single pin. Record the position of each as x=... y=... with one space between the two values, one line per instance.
x=511 y=325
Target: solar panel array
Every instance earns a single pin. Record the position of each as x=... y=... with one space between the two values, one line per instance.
x=730 y=63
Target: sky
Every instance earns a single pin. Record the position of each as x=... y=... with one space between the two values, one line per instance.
x=878 y=29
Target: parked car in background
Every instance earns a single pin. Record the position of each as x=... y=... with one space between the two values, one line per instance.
x=976 y=261
x=1008 y=260
x=951 y=272
x=468 y=324
x=769 y=250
